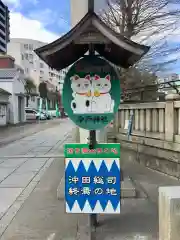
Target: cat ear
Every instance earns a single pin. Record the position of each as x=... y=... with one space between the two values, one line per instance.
x=75 y=77
x=108 y=77
x=88 y=77
x=96 y=77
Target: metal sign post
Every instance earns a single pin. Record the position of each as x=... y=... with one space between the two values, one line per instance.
x=92 y=179
x=91 y=97
x=92 y=143
x=92 y=134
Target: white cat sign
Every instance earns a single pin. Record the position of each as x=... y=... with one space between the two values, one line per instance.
x=91 y=93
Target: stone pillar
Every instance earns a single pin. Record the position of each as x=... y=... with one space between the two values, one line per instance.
x=116 y=123
x=148 y=120
x=169 y=116
x=169 y=213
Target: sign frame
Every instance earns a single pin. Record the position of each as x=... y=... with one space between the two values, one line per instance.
x=101 y=192
x=92 y=107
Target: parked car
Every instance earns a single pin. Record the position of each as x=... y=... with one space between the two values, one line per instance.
x=48 y=115
x=32 y=114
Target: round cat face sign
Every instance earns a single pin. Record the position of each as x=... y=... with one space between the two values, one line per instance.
x=91 y=93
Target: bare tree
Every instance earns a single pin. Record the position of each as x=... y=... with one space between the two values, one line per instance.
x=147 y=22
x=134 y=84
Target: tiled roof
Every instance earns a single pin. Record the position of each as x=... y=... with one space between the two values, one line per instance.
x=7 y=73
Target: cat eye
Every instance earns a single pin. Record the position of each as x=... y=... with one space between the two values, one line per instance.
x=98 y=84
x=79 y=85
x=106 y=84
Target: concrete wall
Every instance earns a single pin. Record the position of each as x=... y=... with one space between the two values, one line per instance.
x=15 y=118
x=6 y=85
x=18 y=92
x=4 y=99
x=15 y=87
x=18 y=86
x=155 y=140
x=3 y=114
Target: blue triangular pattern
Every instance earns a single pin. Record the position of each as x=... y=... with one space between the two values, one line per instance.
x=92 y=172
x=103 y=171
x=81 y=172
x=115 y=170
x=70 y=171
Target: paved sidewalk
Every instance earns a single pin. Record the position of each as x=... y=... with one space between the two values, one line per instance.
x=146 y=179
x=40 y=143
x=42 y=216
x=12 y=133
x=37 y=214
x=20 y=175
x=139 y=217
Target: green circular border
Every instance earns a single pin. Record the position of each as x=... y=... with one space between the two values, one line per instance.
x=115 y=92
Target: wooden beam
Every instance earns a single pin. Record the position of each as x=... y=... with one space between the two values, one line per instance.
x=91 y=5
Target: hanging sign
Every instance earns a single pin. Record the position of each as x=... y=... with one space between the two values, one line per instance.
x=91 y=93
x=92 y=178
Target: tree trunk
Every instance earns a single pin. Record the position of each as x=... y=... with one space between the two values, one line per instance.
x=27 y=101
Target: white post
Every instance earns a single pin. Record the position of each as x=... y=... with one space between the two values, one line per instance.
x=169 y=213
x=79 y=8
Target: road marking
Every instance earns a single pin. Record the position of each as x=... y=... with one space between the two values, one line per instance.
x=51 y=236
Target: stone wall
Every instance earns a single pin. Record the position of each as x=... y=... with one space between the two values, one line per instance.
x=155 y=140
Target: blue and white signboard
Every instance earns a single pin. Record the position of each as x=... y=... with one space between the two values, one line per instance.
x=92 y=178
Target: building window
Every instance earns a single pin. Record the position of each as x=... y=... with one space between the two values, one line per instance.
x=2 y=110
x=26 y=56
x=41 y=65
x=30 y=57
x=27 y=70
x=25 y=46
x=33 y=98
x=22 y=56
x=41 y=72
x=30 y=47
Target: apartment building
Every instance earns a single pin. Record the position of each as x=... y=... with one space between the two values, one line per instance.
x=23 y=52
x=4 y=27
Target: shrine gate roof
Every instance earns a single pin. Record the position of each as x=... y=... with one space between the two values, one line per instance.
x=114 y=47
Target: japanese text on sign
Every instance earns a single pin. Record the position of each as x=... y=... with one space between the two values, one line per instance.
x=94 y=119
x=101 y=151
x=86 y=190
x=87 y=150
